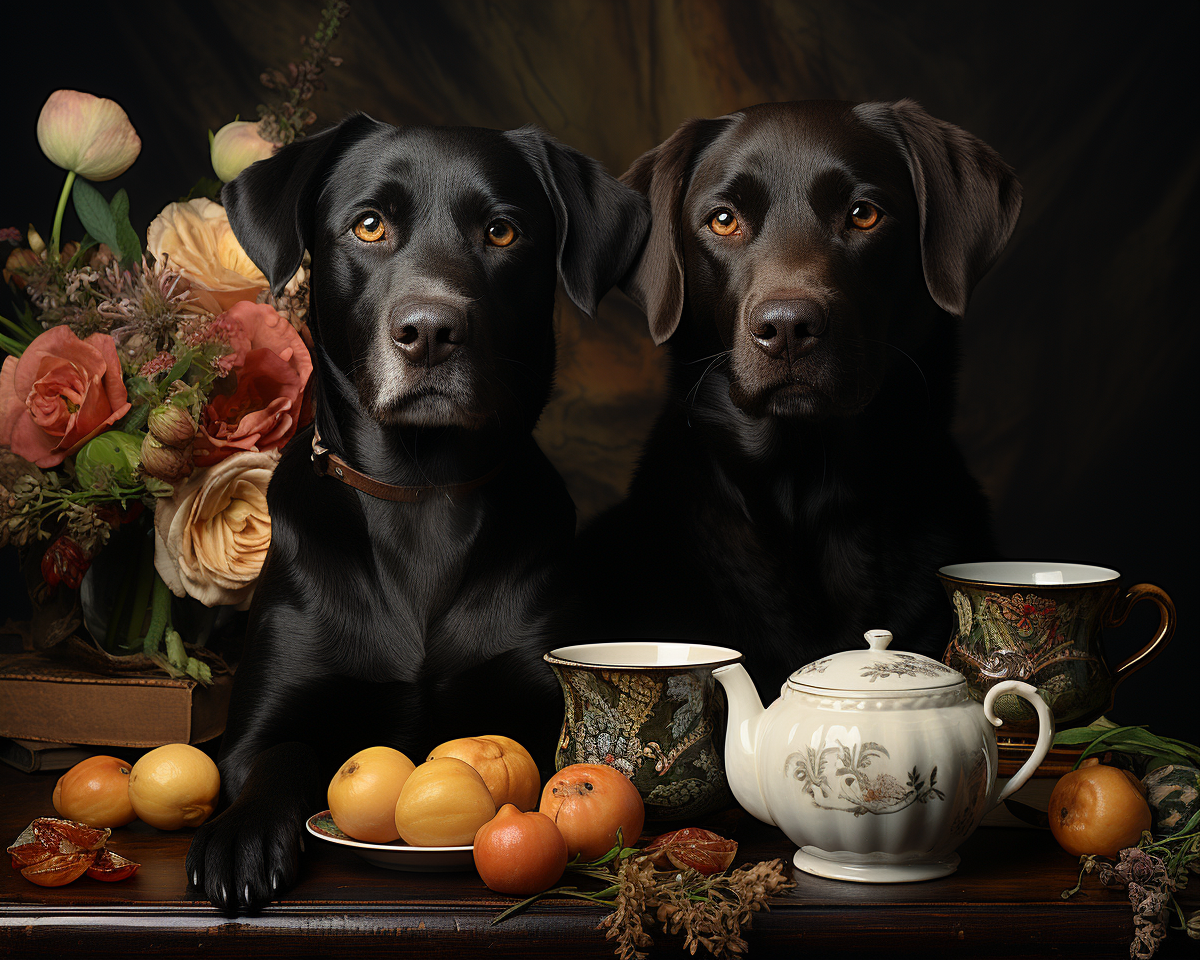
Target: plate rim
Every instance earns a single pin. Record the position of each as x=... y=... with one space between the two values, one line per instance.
x=393 y=847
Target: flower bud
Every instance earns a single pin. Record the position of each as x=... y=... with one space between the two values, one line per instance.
x=19 y=263
x=169 y=464
x=171 y=425
x=87 y=134
x=36 y=243
x=236 y=146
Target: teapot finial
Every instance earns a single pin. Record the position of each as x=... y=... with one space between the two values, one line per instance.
x=878 y=639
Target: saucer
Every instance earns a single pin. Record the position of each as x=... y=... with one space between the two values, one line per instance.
x=394 y=856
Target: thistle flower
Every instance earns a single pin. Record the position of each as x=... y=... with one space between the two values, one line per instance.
x=88 y=135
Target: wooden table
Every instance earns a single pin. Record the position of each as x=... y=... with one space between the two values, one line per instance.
x=1003 y=901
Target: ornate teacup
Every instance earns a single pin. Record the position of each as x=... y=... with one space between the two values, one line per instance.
x=652 y=710
x=1040 y=623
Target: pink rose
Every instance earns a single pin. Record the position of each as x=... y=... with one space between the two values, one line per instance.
x=60 y=393
x=269 y=369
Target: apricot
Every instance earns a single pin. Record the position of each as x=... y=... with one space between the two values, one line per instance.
x=363 y=793
x=174 y=786
x=95 y=791
x=443 y=804
x=1098 y=810
x=506 y=767
x=520 y=853
x=589 y=803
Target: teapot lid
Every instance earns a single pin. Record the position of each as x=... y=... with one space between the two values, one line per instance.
x=876 y=669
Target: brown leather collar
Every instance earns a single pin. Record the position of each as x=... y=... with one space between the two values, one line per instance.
x=328 y=464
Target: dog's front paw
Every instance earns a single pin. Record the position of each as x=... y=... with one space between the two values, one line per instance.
x=245 y=857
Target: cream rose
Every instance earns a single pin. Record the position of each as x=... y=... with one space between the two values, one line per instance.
x=211 y=536
x=198 y=240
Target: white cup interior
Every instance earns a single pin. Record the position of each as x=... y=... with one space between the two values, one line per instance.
x=645 y=653
x=1029 y=573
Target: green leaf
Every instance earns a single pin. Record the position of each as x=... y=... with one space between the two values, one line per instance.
x=95 y=214
x=1077 y=735
x=9 y=345
x=130 y=246
x=180 y=368
x=209 y=187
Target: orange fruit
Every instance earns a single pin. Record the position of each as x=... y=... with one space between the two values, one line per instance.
x=589 y=802
x=443 y=804
x=95 y=791
x=506 y=767
x=363 y=793
x=520 y=853
x=1098 y=810
x=174 y=786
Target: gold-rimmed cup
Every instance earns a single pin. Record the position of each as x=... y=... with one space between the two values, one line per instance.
x=1041 y=622
x=652 y=710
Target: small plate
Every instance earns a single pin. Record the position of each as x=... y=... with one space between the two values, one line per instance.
x=394 y=856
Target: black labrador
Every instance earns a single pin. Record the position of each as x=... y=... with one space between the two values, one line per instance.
x=807 y=264
x=435 y=257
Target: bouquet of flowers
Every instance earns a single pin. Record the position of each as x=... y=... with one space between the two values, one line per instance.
x=149 y=388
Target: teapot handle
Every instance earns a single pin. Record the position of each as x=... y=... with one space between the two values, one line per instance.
x=1045 y=730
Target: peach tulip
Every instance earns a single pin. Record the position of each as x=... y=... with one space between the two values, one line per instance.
x=88 y=135
x=236 y=146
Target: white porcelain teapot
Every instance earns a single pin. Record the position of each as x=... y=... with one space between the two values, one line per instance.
x=876 y=763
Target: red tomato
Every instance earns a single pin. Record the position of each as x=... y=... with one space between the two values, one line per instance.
x=520 y=853
x=589 y=802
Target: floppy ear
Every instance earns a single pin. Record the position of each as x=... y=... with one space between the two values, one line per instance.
x=270 y=204
x=968 y=199
x=662 y=174
x=600 y=223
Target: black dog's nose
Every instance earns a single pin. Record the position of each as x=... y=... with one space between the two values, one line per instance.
x=427 y=333
x=787 y=325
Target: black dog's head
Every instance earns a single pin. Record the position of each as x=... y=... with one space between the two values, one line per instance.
x=435 y=256
x=801 y=239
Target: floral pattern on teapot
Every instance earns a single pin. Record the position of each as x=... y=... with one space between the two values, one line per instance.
x=860 y=791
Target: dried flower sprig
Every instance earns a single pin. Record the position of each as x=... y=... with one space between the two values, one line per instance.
x=1152 y=873
x=710 y=911
x=284 y=120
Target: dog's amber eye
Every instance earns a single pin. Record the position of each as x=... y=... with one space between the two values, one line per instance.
x=864 y=215
x=500 y=233
x=370 y=228
x=723 y=223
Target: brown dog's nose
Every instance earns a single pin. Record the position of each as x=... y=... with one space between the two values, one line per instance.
x=427 y=333
x=790 y=326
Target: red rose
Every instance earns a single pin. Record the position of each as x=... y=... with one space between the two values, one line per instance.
x=269 y=369
x=59 y=394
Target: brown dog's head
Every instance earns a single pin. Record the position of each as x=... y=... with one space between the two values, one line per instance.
x=800 y=240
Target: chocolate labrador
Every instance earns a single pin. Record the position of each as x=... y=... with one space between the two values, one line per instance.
x=413 y=536
x=807 y=266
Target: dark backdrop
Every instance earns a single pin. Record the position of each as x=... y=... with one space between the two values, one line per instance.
x=1078 y=349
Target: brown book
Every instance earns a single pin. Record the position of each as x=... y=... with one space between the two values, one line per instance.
x=43 y=699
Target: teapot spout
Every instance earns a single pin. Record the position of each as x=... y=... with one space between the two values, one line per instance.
x=742 y=736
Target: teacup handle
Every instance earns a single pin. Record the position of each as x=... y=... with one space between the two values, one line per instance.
x=1045 y=738
x=1119 y=610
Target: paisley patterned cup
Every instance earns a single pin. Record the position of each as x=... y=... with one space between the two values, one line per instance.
x=653 y=711
x=1040 y=623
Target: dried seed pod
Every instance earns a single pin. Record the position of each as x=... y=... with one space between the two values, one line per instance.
x=67 y=836
x=111 y=867
x=59 y=869
x=692 y=847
